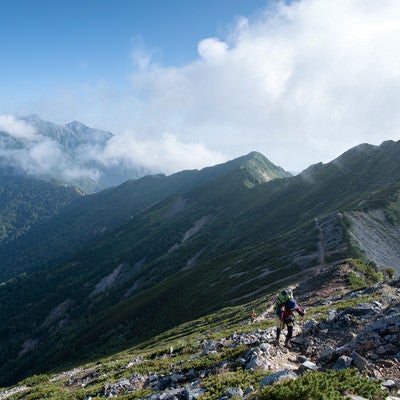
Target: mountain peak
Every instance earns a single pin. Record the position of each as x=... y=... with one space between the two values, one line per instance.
x=262 y=169
x=76 y=125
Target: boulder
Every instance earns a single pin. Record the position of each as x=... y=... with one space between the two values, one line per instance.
x=328 y=355
x=235 y=392
x=193 y=393
x=343 y=362
x=280 y=376
x=359 y=361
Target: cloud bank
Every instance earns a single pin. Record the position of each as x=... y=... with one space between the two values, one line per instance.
x=16 y=128
x=300 y=82
x=165 y=153
x=22 y=148
x=75 y=152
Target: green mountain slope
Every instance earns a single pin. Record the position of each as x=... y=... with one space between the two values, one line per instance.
x=25 y=202
x=224 y=242
x=95 y=216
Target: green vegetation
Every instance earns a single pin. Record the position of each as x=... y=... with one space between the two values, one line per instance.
x=154 y=357
x=95 y=216
x=158 y=252
x=329 y=385
x=364 y=275
x=392 y=211
x=216 y=385
x=25 y=202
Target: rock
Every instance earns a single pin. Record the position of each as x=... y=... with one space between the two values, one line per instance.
x=192 y=393
x=328 y=354
x=258 y=362
x=257 y=358
x=265 y=347
x=381 y=350
x=343 y=350
x=343 y=362
x=298 y=340
x=249 y=390
x=366 y=308
x=209 y=347
x=310 y=365
x=175 y=378
x=390 y=384
x=373 y=356
x=310 y=327
x=390 y=348
x=301 y=359
x=359 y=361
x=280 y=376
x=171 y=394
x=191 y=374
x=236 y=392
x=306 y=366
x=332 y=315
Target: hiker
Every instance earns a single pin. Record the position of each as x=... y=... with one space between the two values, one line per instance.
x=253 y=316
x=285 y=306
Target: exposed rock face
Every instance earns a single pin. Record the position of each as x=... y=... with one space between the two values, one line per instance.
x=376 y=236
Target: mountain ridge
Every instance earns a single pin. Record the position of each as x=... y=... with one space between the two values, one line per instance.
x=221 y=243
x=91 y=217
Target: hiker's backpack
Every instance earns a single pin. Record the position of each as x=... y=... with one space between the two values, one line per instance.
x=284 y=296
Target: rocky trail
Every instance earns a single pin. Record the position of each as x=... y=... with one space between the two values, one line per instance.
x=348 y=329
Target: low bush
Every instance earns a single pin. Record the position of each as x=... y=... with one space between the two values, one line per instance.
x=329 y=385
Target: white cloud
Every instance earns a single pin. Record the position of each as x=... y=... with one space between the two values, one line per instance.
x=141 y=57
x=301 y=82
x=16 y=128
x=45 y=158
x=167 y=153
x=212 y=50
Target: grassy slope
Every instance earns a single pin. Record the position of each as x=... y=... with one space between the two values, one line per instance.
x=249 y=244
x=95 y=216
x=153 y=356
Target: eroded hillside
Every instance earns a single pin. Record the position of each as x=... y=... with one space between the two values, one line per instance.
x=376 y=236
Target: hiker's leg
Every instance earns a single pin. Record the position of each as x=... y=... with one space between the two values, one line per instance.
x=278 y=333
x=289 y=335
x=278 y=330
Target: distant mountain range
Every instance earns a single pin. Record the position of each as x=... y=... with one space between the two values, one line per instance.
x=69 y=154
x=104 y=271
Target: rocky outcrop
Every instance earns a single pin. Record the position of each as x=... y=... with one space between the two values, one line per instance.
x=358 y=329
x=364 y=336
x=376 y=236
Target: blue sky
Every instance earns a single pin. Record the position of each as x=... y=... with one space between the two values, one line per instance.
x=50 y=44
x=187 y=84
